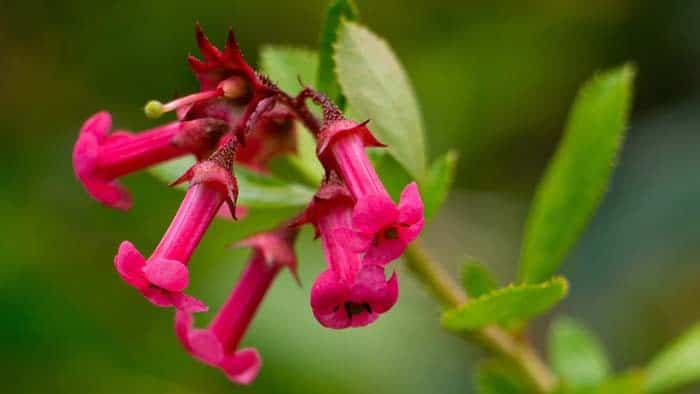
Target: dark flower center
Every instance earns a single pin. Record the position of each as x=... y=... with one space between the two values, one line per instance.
x=355 y=308
x=391 y=233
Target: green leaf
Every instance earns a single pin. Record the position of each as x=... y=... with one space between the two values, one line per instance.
x=476 y=279
x=286 y=65
x=576 y=355
x=506 y=304
x=305 y=159
x=499 y=377
x=628 y=383
x=677 y=365
x=255 y=191
x=579 y=173
x=438 y=182
x=327 y=82
x=378 y=88
x=392 y=174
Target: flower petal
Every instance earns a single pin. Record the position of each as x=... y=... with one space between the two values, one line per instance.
x=356 y=242
x=109 y=193
x=183 y=326
x=188 y=303
x=334 y=320
x=363 y=319
x=85 y=153
x=158 y=296
x=410 y=205
x=243 y=366
x=129 y=263
x=98 y=125
x=384 y=252
x=168 y=274
x=371 y=287
x=206 y=346
x=327 y=292
x=372 y=213
x=410 y=233
x=328 y=296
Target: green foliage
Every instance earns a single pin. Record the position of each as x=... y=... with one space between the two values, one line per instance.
x=255 y=191
x=504 y=305
x=476 y=279
x=393 y=175
x=327 y=82
x=499 y=377
x=377 y=88
x=578 y=174
x=438 y=182
x=305 y=159
x=677 y=365
x=287 y=65
x=576 y=355
x=627 y=383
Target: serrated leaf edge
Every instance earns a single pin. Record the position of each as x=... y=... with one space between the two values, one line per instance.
x=511 y=287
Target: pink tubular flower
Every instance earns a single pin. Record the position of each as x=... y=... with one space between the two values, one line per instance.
x=99 y=158
x=349 y=293
x=382 y=230
x=163 y=277
x=217 y=345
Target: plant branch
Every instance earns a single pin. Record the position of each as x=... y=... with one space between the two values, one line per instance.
x=493 y=338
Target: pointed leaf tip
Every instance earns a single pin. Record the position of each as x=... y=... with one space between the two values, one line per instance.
x=476 y=279
x=326 y=79
x=377 y=87
x=578 y=174
x=438 y=182
x=506 y=304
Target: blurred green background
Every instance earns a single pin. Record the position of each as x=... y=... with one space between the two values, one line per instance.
x=495 y=80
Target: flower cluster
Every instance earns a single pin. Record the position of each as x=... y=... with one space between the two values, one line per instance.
x=240 y=118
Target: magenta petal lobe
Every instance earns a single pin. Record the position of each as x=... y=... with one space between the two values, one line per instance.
x=129 y=263
x=384 y=252
x=206 y=346
x=243 y=366
x=98 y=124
x=410 y=233
x=168 y=274
x=187 y=303
x=410 y=205
x=372 y=213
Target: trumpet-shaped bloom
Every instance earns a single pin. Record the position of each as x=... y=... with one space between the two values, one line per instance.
x=217 y=345
x=349 y=293
x=100 y=158
x=382 y=230
x=164 y=276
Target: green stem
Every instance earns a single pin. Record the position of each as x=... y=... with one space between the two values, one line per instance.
x=493 y=338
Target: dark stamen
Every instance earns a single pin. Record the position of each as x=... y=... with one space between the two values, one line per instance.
x=352 y=308
x=391 y=233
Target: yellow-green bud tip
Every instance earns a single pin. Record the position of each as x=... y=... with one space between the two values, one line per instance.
x=153 y=109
